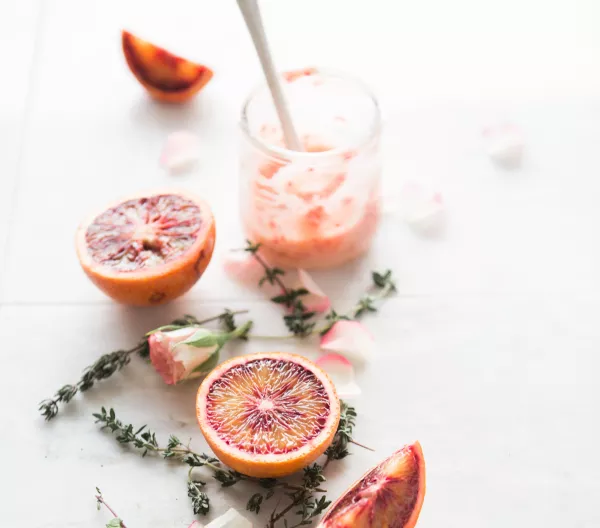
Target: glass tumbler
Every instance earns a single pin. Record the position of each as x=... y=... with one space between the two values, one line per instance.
x=318 y=208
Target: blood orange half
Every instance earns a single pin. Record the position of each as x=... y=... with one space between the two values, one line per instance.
x=388 y=496
x=148 y=249
x=268 y=414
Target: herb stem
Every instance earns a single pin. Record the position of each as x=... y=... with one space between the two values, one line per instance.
x=101 y=500
x=274 y=518
x=361 y=445
x=266 y=267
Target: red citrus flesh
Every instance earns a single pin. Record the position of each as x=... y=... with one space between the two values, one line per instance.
x=166 y=76
x=144 y=233
x=388 y=496
x=148 y=249
x=268 y=414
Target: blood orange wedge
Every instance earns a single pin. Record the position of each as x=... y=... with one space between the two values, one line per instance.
x=148 y=249
x=389 y=496
x=268 y=414
x=167 y=77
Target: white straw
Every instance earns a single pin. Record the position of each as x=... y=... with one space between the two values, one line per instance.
x=251 y=14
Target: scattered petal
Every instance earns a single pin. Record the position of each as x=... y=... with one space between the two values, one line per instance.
x=505 y=144
x=422 y=209
x=350 y=338
x=341 y=372
x=316 y=300
x=180 y=151
x=230 y=519
x=242 y=267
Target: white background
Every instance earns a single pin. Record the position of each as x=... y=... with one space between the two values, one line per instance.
x=489 y=355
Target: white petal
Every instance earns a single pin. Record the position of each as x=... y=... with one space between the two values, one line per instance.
x=180 y=152
x=349 y=338
x=192 y=357
x=242 y=267
x=341 y=372
x=230 y=519
x=505 y=144
x=316 y=300
x=421 y=208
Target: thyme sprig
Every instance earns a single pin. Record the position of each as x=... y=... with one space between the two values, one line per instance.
x=383 y=286
x=301 y=497
x=298 y=318
x=106 y=365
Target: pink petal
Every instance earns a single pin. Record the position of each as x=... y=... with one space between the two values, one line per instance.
x=341 y=372
x=161 y=357
x=180 y=151
x=242 y=267
x=350 y=338
x=422 y=209
x=505 y=144
x=316 y=300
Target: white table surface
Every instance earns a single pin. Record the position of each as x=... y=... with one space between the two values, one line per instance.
x=490 y=352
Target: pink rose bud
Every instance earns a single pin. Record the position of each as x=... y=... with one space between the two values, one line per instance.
x=188 y=352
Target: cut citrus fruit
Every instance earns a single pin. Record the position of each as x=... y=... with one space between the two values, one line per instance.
x=388 y=496
x=148 y=249
x=268 y=414
x=167 y=77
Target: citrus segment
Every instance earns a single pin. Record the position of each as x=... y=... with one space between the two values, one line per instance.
x=388 y=496
x=166 y=76
x=268 y=415
x=148 y=249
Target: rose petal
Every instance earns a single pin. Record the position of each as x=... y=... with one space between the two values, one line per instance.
x=422 y=209
x=230 y=519
x=242 y=267
x=505 y=144
x=350 y=338
x=180 y=151
x=341 y=372
x=316 y=300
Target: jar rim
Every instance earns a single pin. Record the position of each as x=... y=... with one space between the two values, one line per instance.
x=282 y=153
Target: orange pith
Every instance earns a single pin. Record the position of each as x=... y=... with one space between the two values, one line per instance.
x=268 y=415
x=166 y=76
x=148 y=249
x=388 y=496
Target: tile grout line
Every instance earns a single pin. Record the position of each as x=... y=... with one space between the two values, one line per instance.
x=31 y=78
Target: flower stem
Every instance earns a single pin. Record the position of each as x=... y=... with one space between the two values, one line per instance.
x=268 y=337
x=217 y=317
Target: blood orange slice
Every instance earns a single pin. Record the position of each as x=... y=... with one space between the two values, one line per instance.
x=269 y=414
x=388 y=496
x=167 y=77
x=148 y=249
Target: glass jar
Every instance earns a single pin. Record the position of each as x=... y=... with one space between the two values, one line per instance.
x=318 y=208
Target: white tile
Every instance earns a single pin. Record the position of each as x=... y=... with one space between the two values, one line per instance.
x=94 y=136
x=501 y=394
x=488 y=354
x=18 y=24
x=529 y=230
